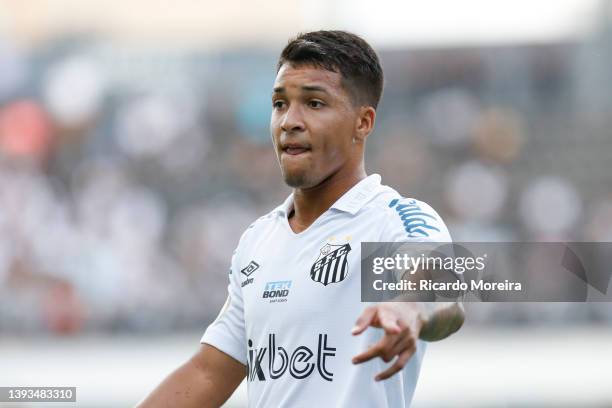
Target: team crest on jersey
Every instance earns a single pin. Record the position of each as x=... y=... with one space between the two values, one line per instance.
x=332 y=264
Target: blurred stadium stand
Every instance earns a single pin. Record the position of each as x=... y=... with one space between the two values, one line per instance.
x=128 y=173
x=127 y=176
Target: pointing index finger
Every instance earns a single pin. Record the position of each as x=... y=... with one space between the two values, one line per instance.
x=400 y=362
x=369 y=354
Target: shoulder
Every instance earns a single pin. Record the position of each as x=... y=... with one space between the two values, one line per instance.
x=408 y=218
x=257 y=227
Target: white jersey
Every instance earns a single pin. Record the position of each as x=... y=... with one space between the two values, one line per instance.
x=294 y=298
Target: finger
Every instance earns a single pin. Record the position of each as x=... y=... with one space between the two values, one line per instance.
x=366 y=318
x=404 y=333
x=374 y=351
x=404 y=341
x=381 y=348
x=389 y=322
x=393 y=344
x=396 y=345
x=399 y=364
x=368 y=354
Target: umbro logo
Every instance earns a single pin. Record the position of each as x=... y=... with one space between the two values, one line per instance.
x=248 y=271
x=252 y=267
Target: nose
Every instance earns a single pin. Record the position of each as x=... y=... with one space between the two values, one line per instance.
x=293 y=120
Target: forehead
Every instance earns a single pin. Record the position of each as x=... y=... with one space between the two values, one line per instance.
x=290 y=76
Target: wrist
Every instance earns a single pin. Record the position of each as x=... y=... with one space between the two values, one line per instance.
x=441 y=321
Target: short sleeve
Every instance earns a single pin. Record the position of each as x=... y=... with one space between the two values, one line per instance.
x=227 y=333
x=411 y=220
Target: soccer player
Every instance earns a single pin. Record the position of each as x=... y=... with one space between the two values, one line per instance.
x=293 y=323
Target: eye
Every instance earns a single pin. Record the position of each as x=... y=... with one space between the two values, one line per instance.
x=315 y=104
x=278 y=104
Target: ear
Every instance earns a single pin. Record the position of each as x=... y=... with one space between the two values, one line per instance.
x=365 y=123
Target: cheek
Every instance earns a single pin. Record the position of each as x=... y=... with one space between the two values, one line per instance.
x=338 y=139
x=273 y=124
x=334 y=150
x=274 y=130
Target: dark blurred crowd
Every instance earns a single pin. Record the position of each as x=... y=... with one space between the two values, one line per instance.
x=127 y=175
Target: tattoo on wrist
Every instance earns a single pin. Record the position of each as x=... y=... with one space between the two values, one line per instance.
x=440 y=321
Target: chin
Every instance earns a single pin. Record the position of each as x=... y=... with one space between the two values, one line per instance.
x=297 y=179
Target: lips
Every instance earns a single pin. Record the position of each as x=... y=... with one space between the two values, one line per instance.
x=295 y=149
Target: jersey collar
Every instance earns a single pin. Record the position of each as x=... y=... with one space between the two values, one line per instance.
x=351 y=202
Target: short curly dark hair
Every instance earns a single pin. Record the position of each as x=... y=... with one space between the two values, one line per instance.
x=343 y=52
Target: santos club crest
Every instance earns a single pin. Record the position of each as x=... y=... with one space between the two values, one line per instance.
x=332 y=265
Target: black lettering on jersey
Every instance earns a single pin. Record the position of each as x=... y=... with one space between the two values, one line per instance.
x=300 y=364
x=254 y=363
x=274 y=372
x=322 y=355
x=300 y=358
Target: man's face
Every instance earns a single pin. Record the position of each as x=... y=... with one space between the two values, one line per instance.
x=312 y=124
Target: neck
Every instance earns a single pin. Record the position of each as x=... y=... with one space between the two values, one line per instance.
x=310 y=203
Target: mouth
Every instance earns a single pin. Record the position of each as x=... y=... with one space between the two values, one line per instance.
x=295 y=149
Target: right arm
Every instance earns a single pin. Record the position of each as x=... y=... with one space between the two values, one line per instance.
x=208 y=379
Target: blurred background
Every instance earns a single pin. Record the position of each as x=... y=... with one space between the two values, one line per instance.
x=134 y=150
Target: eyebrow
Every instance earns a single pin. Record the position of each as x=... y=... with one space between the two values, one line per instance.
x=308 y=88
